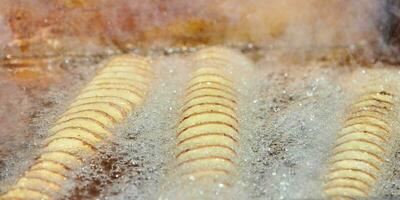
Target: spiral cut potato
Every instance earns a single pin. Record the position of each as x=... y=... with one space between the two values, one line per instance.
x=106 y=100
x=207 y=135
x=360 y=148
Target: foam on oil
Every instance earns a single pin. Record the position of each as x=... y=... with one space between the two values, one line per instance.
x=289 y=116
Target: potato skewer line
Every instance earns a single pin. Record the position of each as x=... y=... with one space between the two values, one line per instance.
x=208 y=130
x=108 y=99
x=360 y=147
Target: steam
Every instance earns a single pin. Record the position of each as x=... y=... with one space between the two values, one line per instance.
x=88 y=25
x=312 y=22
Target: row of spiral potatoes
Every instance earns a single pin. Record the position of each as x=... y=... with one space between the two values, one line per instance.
x=108 y=99
x=208 y=140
